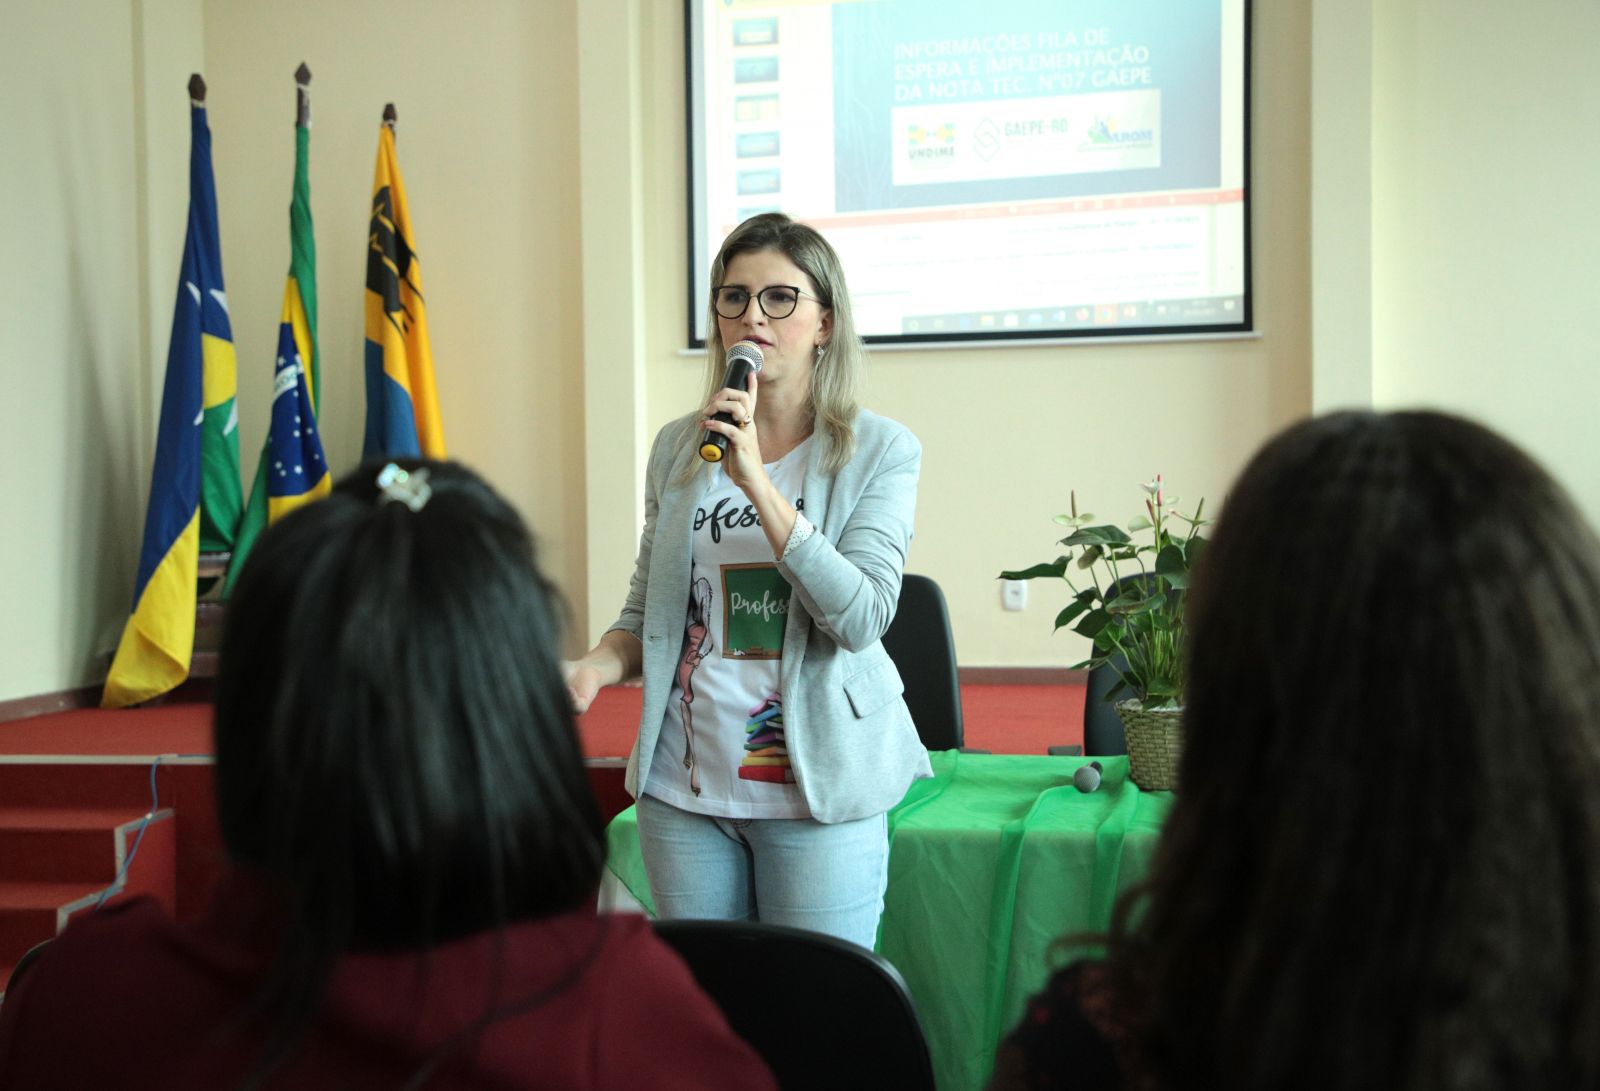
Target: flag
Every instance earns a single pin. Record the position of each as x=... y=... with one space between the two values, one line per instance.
x=198 y=421
x=292 y=468
x=221 y=499
x=402 y=405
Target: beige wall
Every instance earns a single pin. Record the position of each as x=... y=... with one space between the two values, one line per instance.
x=86 y=231
x=486 y=93
x=543 y=155
x=1486 y=232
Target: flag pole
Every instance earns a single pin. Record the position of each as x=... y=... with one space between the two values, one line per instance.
x=197 y=90
x=302 y=98
x=389 y=116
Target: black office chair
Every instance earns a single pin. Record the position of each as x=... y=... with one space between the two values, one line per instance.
x=822 y=1012
x=1102 y=727
x=920 y=642
x=23 y=963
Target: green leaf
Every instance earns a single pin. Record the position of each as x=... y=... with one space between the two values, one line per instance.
x=1110 y=637
x=1129 y=602
x=1092 y=623
x=1057 y=568
x=1071 y=611
x=1196 y=519
x=1153 y=603
x=1090 y=555
x=1141 y=623
x=1197 y=546
x=1101 y=536
x=1140 y=523
x=1171 y=566
x=1127 y=590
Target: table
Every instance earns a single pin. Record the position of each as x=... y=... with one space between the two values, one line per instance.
x=990 y=863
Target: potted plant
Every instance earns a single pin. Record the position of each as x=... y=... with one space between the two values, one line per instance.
x=1129 y=589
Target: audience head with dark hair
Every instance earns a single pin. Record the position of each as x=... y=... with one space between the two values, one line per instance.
x=393 y=740
x=1382 y=868
x=394 y=748
x=416 y=846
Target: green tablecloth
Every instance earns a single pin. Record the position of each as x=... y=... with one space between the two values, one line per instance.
x=990 y=862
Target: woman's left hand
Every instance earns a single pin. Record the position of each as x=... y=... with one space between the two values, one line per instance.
x=742 y=461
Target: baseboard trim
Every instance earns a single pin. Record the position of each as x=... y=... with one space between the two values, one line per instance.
x=66 y=700
x=1022 y=676
x=42 y=704
x=197 y=687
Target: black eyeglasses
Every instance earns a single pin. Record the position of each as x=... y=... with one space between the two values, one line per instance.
x=778 y=301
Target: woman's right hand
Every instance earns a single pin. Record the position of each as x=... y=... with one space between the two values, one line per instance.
x=617 y=658
x=583 y=683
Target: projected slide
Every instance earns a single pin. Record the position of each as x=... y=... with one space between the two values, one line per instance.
x=1009 y=169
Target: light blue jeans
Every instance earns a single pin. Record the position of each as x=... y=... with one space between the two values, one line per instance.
x=824 y=877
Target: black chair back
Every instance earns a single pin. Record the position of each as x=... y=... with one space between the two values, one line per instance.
x=923 y=648
x=27 y=960
x=1102 y=727
x=822 y=1012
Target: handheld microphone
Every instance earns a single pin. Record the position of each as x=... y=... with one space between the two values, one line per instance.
x=1087 y=777
x=744 y=357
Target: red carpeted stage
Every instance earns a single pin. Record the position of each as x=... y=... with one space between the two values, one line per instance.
x=1007 y=719
x=76 y=788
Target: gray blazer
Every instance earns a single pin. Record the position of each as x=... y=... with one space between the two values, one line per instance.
x=851 y=741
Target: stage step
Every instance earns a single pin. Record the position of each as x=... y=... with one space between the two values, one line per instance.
x=59 y=845
x=56 y=862
x=28 y=782
x=30 y=912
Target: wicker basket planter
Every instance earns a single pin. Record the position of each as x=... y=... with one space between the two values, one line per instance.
x=1155 y=742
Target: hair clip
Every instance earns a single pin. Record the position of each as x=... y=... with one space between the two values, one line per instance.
x=411 y=489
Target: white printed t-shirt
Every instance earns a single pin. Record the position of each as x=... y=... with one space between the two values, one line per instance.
x=722 y=749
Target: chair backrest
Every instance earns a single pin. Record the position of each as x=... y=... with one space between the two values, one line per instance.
x=27 y=960
x=923 y=648
x=1102 y=727
x=821 y=1011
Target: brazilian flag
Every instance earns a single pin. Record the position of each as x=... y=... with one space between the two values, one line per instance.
x=402 y=403
x=292 y=469
x=194 y=486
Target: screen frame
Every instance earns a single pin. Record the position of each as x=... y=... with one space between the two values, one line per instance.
x=699 y=257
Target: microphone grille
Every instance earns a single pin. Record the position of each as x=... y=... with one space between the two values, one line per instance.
x=1087 y=777
x=748 y=351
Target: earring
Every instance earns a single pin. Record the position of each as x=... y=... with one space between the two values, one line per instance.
x=820 y=351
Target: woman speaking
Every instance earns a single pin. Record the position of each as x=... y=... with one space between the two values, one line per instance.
x=774 y=738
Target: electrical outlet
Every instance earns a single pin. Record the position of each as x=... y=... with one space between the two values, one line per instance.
x=1013 y=594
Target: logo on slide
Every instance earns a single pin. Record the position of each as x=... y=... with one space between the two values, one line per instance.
x=1105 y=134
x=931 y=142
x=986 y=141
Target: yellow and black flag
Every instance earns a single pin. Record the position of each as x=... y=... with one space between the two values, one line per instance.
x=402 y=404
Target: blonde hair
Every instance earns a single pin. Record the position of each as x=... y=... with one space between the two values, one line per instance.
x=836 y=377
